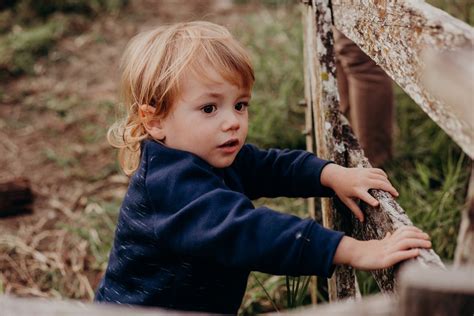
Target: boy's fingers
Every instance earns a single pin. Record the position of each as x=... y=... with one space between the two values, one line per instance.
x=369 y=199
x=384 y=185
x=401 y=230
x=413 y=243
x=409 y=228
x=403 y=255
x=379 y=171
x=410 y=234
x=377 y=176
x=352 y=205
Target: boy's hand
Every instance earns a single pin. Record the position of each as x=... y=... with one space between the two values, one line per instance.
x=354 y=183
x=381 y=254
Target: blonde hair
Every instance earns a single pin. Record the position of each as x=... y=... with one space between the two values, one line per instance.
x=154 y=63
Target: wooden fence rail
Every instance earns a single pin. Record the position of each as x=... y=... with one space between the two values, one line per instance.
x=421 y=292
x=395 y=34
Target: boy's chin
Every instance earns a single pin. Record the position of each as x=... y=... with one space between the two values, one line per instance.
x=222 y=163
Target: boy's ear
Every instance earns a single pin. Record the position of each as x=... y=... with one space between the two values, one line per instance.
x=153 y=125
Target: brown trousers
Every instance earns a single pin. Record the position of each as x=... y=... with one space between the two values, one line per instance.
x=366 y=99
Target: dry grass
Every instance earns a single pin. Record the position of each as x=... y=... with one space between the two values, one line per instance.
x=57 y=256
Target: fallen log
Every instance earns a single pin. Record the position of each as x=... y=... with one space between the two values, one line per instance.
x=16 y=197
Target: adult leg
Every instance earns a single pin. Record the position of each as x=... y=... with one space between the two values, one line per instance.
x=366 y=99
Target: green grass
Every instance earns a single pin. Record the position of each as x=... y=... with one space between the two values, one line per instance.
x=461 y=9
x=29 y=29
x=274 y=40
x=19 y=50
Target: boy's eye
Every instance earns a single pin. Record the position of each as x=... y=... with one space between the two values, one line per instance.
x=241 y=106
x=209 y=108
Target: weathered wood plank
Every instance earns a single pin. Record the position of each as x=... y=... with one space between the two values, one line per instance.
x=16 y=306
x=395 y=34
x=376 y=305
x=421 y=292
x=449 y=76
x=322 y=100
x=434 y=292
x=336 y=141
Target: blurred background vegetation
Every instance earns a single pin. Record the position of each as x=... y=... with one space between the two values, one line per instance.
x=29 y=28
x=429 y=170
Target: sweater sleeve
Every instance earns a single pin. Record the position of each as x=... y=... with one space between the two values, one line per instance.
x=275 y=172
x=195 y=214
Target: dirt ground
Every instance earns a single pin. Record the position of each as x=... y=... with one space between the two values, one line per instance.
x=81 y=72
x=52 y=127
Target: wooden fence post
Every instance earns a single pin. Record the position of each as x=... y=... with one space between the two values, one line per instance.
x=336 y=141
x=322 y=100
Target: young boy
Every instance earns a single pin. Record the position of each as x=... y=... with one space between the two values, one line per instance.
x=188 y=235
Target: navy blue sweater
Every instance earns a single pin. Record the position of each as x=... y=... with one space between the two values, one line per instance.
x=188 y=235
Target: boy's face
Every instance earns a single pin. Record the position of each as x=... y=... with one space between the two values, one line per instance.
x=209 y=119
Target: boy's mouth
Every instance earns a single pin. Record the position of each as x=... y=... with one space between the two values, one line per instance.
x=230 y=143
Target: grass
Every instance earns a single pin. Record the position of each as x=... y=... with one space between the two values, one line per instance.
x=29 y=29
x=461 y=9
x=97 y=228
x=275 y=45
x=19 y=49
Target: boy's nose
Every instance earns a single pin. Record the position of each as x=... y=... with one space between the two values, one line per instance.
x=231 y=122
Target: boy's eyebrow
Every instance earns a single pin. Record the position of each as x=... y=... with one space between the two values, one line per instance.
x=218 y=95
x=211 y=94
